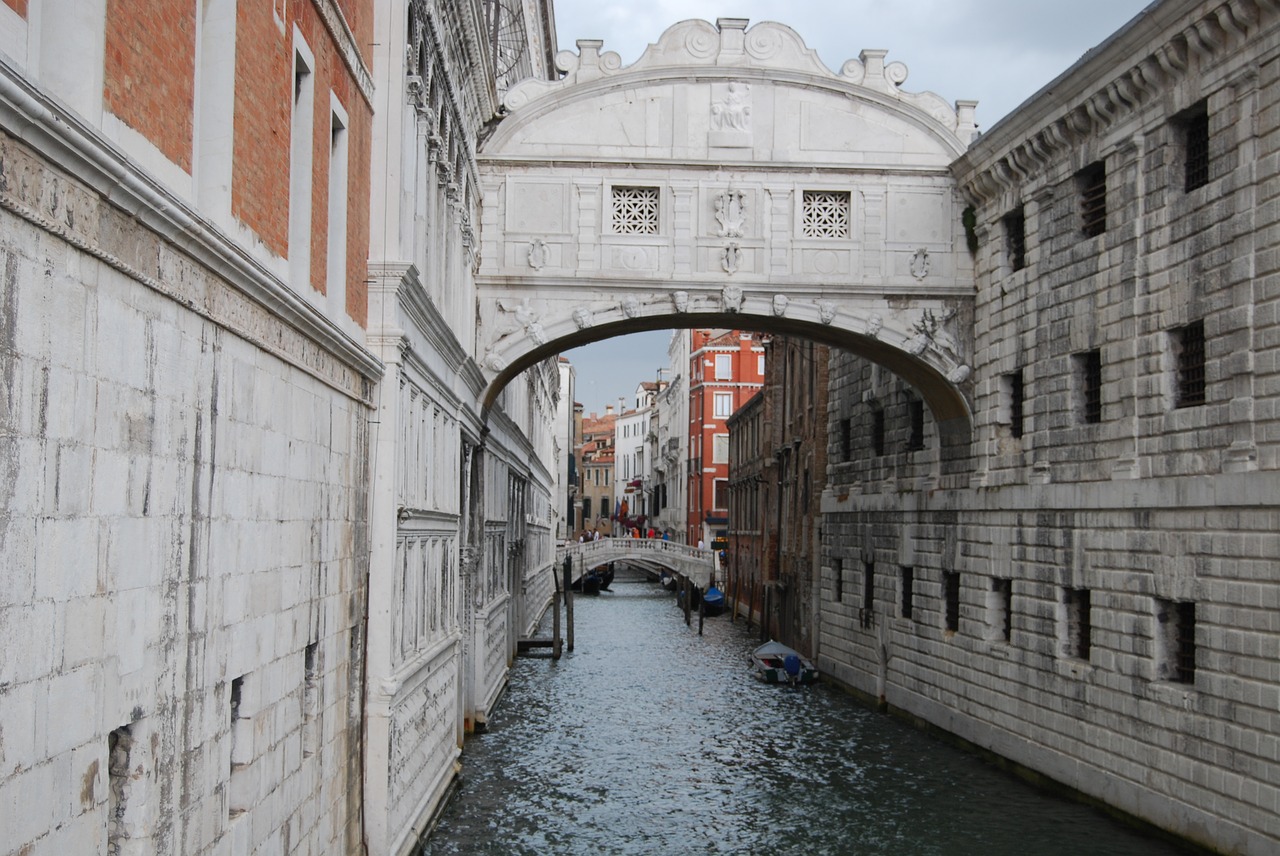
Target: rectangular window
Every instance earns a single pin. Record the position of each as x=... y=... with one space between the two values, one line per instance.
x=1188 y=347
x=724 y=366
x=720 y=494
x=1015 y=239
x=336 y=275
x=825 y=214
x=1176 y=641
x=1013 y=403
x=300 y=156
x=868 y=593
x=1091 y=183
x=951 y=594
x=846 y=439
x=1195 y=142
x=723 y=405
x=907 y=579
x=1078 y=627
x=635 y=210
x=837 y=574
x=720 y=449
x=877 y=431
x=1087 y=368
x=1002 y=607
x=760 y=364
x=915 y=412
x=311 y=699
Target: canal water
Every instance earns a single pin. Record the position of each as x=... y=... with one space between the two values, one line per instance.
x=649 y=739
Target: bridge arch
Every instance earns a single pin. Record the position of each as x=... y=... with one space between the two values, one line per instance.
x=728 y=178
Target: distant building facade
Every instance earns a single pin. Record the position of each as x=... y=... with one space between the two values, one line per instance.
x=726 y=368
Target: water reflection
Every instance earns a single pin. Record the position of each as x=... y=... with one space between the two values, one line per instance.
x=649 y=739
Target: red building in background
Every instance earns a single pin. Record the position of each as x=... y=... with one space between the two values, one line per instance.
x=726 y=368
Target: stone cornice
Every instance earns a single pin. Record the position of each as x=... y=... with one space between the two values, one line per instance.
x=345 y=40
x=73 y=146
x=1076 y=106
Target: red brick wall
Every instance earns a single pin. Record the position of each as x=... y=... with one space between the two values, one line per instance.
x=149 y=70
x=264 y=91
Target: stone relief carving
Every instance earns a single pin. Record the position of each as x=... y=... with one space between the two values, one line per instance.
x=959 y=374
x=731 y=298
x=826 y=311
x=731 y=212
x=680 y=300
x=733 y=112
x=917 y=345
x=780 y=302
x=874 y=323
x=920 y=263
x=730 y=257
x=631 y=306
x=537 y=254
x=494 y=361
x=582 y=317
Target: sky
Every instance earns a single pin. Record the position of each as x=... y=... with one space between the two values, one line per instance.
x=997 y=52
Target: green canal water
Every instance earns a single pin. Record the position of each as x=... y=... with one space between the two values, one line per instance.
x=649 y=739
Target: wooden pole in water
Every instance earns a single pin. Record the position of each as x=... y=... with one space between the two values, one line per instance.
x=688 y=603
x=702 y=612
x=555 y=626
x=568 y=599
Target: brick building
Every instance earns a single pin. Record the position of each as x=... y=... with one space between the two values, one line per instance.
x=777 y=474
x=726 y=368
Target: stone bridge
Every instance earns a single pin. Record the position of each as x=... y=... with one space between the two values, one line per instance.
x=694 y=563
x=729 y=179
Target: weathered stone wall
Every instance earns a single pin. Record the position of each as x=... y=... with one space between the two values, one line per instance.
x=183 y=542
x=1112 y=624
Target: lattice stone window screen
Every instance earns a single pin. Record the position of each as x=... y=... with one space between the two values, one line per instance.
x=635 y=210
x=826 y=214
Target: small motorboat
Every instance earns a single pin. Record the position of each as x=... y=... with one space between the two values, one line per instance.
x=713 y=601
x=775 y=663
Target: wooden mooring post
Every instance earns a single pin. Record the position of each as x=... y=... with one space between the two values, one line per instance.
x=568 y=599
x=702 y=612
x=555 y=627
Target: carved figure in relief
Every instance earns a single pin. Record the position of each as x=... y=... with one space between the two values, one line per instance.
x=582 y=317
x=680 y=300
x=874 y=323
x=731 y=298
x=780 y=302
x=734 y=112
x=631 y=306
x=537 y=254
x=731 y=211
x=959 y=374
x=826 y=311
x=920 y=263
x=730 y=256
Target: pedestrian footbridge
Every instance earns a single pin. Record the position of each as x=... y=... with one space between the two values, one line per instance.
x=694 y=563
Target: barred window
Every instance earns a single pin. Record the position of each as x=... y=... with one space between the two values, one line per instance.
x=1079 y=628
x=951 y=593
x=915 y=412
x=1088 y=371
x=1012 y=402
x=635 y=210
x=1195 y=139
x=1188 y=345
x=1092 y=184
x=826 y=214
x=1176 y=641
x=1015 y=239
x=877 y=431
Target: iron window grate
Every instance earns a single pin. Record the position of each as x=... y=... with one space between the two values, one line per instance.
x=1092 y=181
x=1185 y=615
x=951 y=581
x=1092 y=371
x=915 y=440
x=1191 y=367
x=1017 y=403
x=1015 y=238
x=1196 y=148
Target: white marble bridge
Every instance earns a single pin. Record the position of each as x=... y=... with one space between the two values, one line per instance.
x=694 y=563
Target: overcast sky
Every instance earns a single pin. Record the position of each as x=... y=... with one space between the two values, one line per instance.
x=997 y=52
